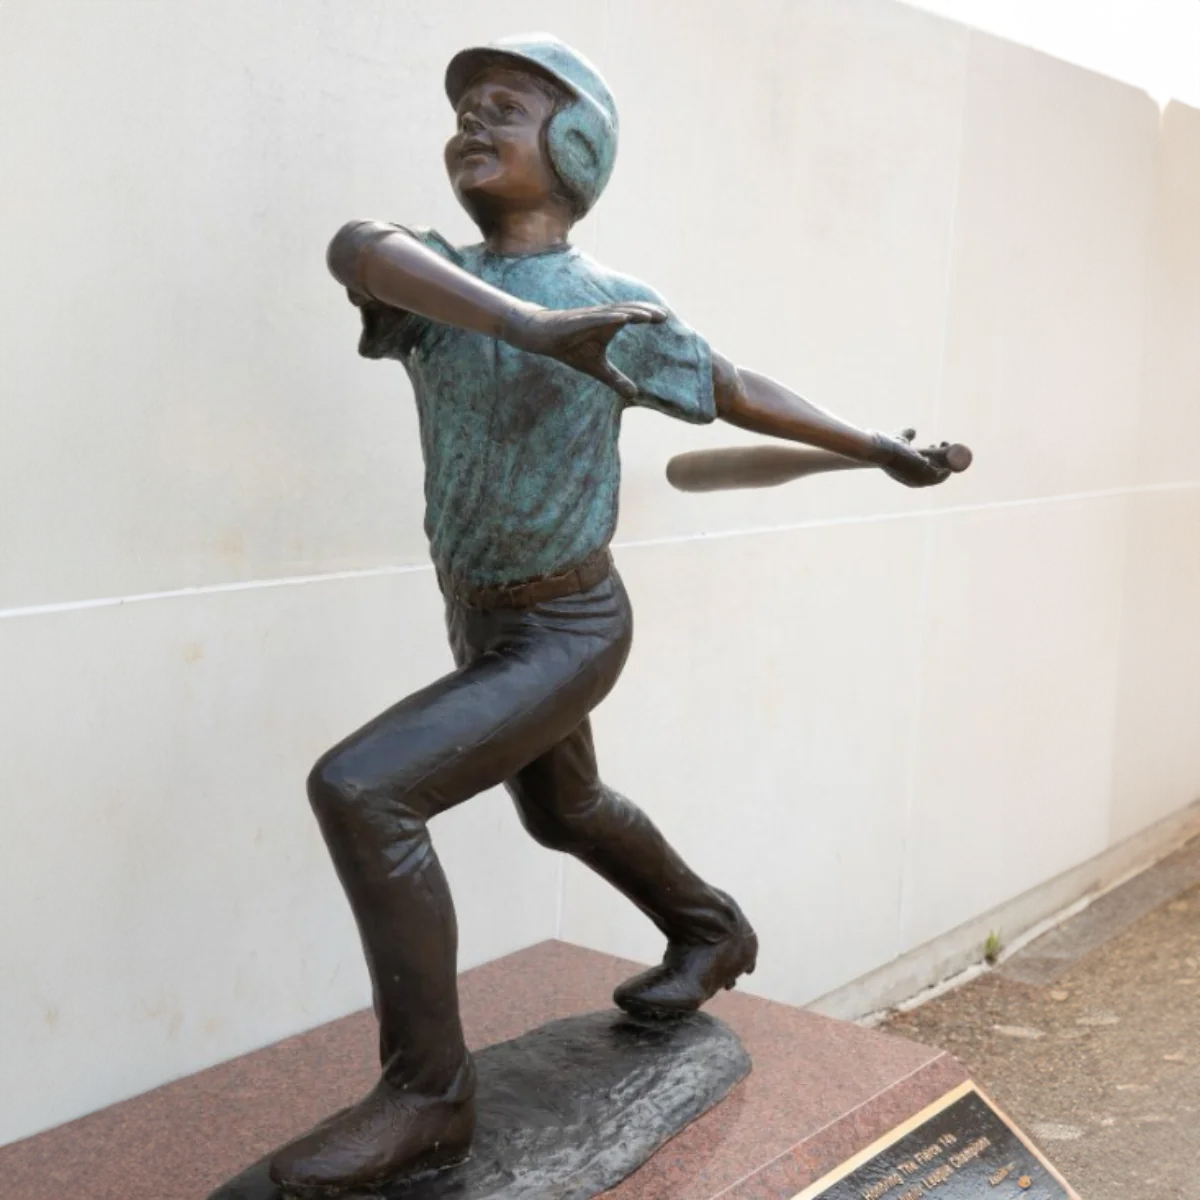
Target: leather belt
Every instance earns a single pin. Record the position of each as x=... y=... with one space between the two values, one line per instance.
x=530 y=592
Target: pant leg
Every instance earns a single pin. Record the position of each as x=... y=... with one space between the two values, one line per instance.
x=532 y=678
x=564 y=805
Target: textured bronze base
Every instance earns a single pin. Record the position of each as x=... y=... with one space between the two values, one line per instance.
x=571 y=1108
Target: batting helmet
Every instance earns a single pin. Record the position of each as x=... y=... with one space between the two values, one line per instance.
x=581 y=137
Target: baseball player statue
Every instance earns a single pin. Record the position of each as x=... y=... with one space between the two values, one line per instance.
x=523 y=354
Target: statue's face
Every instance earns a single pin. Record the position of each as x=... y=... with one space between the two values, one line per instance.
x=495 y=159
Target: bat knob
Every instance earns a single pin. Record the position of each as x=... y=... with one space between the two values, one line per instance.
x=958 y=457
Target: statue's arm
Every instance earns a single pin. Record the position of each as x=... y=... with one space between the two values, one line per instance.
x=386 y=264
x=754 y=402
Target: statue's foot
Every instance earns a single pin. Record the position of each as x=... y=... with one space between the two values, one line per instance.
x=388 y=1133
x=690 y=974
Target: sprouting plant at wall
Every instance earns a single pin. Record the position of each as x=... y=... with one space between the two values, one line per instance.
x=992 y=948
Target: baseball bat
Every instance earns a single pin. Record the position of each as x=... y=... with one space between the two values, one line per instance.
x=769 y=466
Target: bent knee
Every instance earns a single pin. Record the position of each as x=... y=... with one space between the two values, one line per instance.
x=330 y=784
x=344 y=789
x=342 y=784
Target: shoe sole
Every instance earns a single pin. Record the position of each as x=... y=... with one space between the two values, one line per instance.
x=433 y=1162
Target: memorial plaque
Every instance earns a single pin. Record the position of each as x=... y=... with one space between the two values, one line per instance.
x=959 y=1148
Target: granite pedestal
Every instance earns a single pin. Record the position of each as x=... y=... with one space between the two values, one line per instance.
x=821 y=1090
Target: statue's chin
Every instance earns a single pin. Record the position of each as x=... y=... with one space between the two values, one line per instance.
x=482 y=198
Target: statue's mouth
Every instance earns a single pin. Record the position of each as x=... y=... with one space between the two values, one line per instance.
x=474 y=148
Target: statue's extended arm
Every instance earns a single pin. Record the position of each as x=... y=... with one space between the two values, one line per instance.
x=754 y=402
x=383 y=263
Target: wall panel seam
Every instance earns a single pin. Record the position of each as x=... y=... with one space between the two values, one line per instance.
x=248 y=585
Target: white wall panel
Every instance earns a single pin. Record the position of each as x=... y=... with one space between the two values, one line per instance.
x=1168 y=444
x=765 y=720
x=166 y=900
x=1019 y=664
x=182 y=400
x=1052 y=237
x=1156 y=752
x=800 y=216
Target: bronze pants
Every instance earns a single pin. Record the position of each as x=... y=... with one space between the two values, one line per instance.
x=514 y=712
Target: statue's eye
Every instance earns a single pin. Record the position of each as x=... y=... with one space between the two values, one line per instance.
x=509 y=109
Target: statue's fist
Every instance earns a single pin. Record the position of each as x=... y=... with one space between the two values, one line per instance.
x=900 y=459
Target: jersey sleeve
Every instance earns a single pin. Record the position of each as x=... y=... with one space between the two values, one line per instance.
x=670 y=363
x=389 y=332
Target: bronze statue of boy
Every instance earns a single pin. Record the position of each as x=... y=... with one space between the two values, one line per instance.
x=523 y=353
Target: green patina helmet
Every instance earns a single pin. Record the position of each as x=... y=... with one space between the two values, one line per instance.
x=581 y=137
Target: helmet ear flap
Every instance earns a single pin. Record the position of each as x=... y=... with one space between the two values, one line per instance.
x=579 y=148
x=582 y=143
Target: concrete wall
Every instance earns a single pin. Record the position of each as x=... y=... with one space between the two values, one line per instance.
x=871 y=713
x=1148 y=43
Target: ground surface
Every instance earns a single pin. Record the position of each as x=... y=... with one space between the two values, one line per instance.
x=1090 y=1038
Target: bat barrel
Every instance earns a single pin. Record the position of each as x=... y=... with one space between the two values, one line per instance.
x=770 y=465
x=751 y=467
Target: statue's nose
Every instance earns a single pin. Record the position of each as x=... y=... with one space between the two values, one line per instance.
x=471 y=122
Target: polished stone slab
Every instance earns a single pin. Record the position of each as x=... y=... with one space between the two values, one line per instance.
x=820 y=1091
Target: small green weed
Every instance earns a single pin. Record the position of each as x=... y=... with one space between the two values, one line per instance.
x=992 y=948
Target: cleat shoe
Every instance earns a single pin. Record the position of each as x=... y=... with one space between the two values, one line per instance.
x=689 y=975
x=389 y=1133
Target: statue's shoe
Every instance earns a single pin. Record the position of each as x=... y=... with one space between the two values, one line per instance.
x=389 y=1133
x=690 y=974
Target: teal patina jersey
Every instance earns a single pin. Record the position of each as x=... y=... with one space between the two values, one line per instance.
x=521 y=464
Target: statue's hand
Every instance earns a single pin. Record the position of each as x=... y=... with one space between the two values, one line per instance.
x=579 y=337
x=908 y=465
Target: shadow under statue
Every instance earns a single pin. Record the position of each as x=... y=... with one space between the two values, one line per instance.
x=523 y=353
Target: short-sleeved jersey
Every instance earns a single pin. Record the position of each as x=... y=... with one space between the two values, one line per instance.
x=521 y=464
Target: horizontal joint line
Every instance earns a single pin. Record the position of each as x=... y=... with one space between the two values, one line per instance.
x=249 y=585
